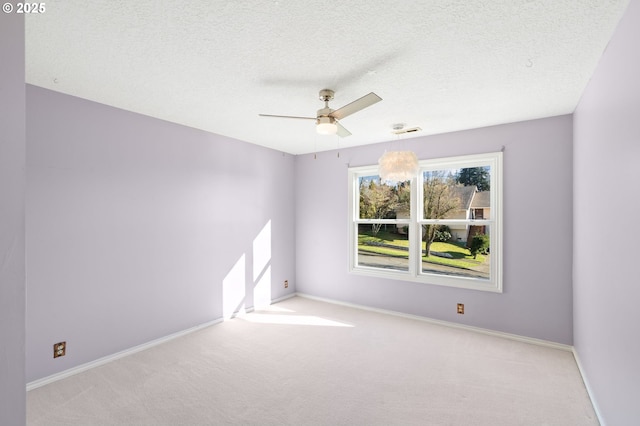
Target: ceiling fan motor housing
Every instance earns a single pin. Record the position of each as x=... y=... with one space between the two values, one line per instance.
x=325 y=112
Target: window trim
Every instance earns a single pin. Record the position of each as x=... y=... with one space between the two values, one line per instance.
x=415 y=274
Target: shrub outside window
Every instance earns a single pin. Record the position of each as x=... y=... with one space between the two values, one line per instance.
x=442 y=227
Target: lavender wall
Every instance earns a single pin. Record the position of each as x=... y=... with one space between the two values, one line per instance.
x=138 y=228
x=537 y=298
x=606 y=291
x=12 y=259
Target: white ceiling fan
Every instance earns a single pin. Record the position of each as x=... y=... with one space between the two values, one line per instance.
x=327 y=119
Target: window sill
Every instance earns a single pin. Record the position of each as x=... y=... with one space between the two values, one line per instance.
x=430 y=279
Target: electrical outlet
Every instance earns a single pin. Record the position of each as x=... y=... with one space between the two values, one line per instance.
x=461 y=308
x=59 y=349
x=286 y=283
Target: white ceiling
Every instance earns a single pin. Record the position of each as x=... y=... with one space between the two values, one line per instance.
x=215 y=65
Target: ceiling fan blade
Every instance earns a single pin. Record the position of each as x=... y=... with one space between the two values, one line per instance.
x=355 y=106
x=287 y=116
x=342 y=132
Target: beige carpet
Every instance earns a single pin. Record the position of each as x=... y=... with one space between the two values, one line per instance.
x=304 y=362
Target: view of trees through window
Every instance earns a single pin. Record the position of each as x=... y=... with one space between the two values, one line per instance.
x=384 y=243
x=455 y=210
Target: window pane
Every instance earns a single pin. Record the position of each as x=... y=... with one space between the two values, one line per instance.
x=457 y=193
x=443 y=253
x=383 y=246
x=380 y=200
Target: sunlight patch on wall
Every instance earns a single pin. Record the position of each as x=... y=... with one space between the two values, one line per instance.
x=262 y=290
x=262 y=268
x=233 y=290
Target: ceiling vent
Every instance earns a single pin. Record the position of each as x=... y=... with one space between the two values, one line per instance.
x=398 y=130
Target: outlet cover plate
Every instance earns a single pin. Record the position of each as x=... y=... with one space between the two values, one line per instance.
x=59 y=349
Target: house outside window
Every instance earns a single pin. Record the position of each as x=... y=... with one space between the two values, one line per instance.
x=442 y=227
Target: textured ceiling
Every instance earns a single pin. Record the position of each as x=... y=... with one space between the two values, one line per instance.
x=215 y=65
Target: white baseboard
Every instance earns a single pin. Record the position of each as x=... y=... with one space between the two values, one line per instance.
x=104 y=360
x=288 y=296
x=588 y=387
x=510 y=336
x=101 y=361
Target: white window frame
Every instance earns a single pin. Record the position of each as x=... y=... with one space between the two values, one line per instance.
x=414 y=273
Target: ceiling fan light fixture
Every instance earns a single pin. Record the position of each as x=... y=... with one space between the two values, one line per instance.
x=326 y=126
